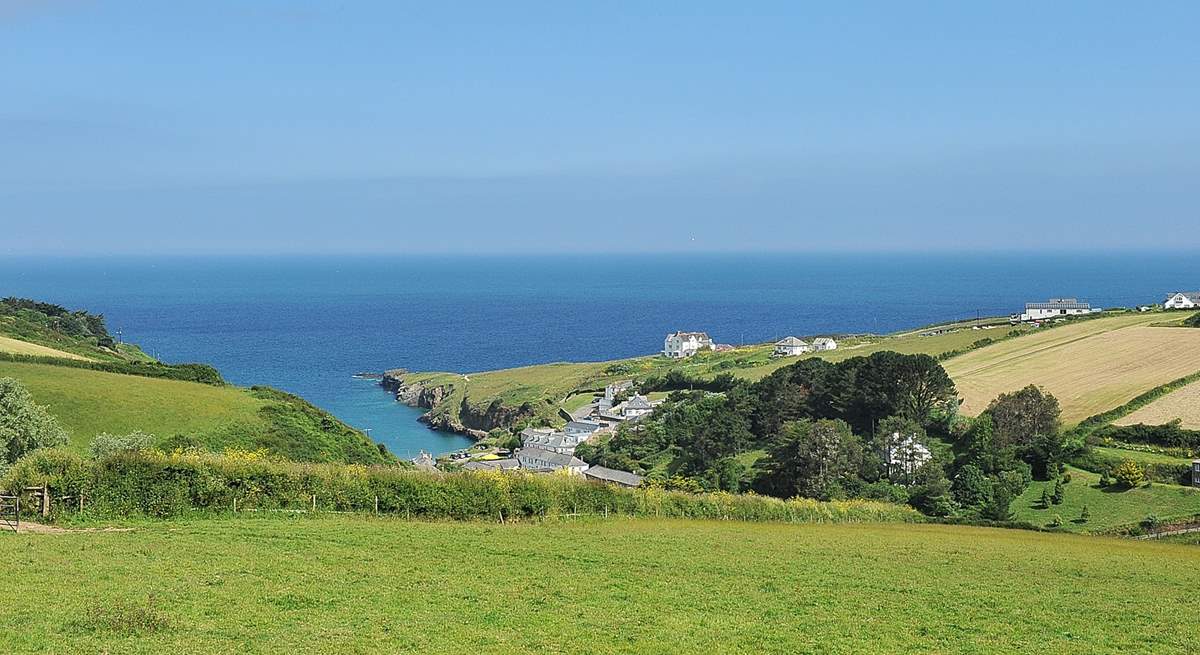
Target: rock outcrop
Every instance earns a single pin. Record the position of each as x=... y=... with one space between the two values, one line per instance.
x=469 y=419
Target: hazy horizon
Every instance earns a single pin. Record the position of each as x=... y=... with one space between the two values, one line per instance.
x=397 y=128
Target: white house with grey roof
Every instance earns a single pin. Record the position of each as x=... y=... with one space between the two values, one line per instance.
x=823 y=343
x=679 y=345
x=582 y=428
x=1053 y=308
x=552 y=440
x=791 y=347
x=1182 y=300
x=635 y=407
x=545 y=461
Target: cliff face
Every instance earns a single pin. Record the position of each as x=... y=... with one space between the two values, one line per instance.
x=468 y=419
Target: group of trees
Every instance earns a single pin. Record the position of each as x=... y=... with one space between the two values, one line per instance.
x=856 y=428
x=59 y=319
x=24 y=425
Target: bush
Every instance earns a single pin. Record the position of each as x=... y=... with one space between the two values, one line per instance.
x=107 y=445
x=1128 y=474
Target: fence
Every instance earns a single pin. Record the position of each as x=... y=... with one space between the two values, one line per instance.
x=10 y=513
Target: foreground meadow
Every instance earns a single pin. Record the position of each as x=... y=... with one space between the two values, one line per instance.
x=342 y=584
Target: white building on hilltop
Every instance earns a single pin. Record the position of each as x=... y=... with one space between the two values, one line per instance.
x=791 y=347
x=1182 y=300
x=1053 y=308
x=824 y=343
x=685 y=344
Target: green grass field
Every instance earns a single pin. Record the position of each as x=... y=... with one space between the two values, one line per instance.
x=19 y=347
x=89 y=402
x=362 y=585
x=1109 y=507
x=1141 y=457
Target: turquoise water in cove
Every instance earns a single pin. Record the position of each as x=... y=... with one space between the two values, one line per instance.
x=307 y=324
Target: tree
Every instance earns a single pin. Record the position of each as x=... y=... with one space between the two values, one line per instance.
x=930 y=491
x=998 y=508
x=1084 y=515
x=24 y=425
x=106 y=445
x=1128 y=474
x=1057 y=496
x=812 y=459
x=971 y=487
x=1045 y=501
x=1027 y=421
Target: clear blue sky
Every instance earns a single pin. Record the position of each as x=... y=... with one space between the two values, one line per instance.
x=264 y=126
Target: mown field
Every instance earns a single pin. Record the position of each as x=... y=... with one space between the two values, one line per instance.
x=1183 y=404
x=1109 y=507
x=18 y=347
x=1090 y=366
x=361 y=585
x=88 y=402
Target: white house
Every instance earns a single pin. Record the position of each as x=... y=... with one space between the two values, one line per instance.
x=545 y=461
x=551 y=440
x=582 y=429
x=685 y=344
x=635 y=407
x=791 y=347
x=611 y=392
x=1182 y=300
x=824 y=343
x=1054 y=308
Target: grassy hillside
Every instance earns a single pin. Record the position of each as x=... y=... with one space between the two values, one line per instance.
x=1109 y=507
x=570 y=385
x=1091 y=366
x=88 y=402
x=362 y=585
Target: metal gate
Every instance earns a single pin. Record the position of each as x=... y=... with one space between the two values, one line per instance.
x=10 y=513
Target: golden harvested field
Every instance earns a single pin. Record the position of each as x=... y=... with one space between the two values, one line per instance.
x=1091 y=366
x=1181 y=404
x=16 y=346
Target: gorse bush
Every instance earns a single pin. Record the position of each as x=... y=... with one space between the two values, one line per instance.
x=156 y=484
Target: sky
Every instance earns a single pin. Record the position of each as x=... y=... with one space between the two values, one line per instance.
x=460 y=127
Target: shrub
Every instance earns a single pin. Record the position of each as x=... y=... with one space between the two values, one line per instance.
x=1057 y=496
x=1084 y=515
x=1128 y=474
x=107 y=445
x=1056 y=522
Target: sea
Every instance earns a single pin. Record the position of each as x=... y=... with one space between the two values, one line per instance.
x=307 y=325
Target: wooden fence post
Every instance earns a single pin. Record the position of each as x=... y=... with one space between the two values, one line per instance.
x=45 y=502
x=314 y=502
x=235 y=505
x=376 y=504
x=81 y=502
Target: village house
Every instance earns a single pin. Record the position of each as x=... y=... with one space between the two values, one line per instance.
x=425 y=462
x=613 y=476
x=824 y=343
x=1182 y=300
x=612 y=392
x=790 y=347
x=582 y=428
x=545 y=461
x=1053 y=308
x=506 y=464
x=635 y=407
x=679 y=345
x=552 y=440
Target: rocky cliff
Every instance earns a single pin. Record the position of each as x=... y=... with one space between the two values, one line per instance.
x=446 y=414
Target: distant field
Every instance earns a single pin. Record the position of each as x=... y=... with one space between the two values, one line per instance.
x=1108 y=507
x=1183 y=404
x=18 y=347
x=1141 y=457
x=89 y=402
x=362 y=585
x=1091 y=366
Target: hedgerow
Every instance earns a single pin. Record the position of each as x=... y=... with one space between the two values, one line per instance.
x=158 y=484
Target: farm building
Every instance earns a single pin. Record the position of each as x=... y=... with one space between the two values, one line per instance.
x=1053 y=308
x=685 y=344
x=613 y=476
x=791 y=347
x=1182 y=300
x=824 y=343
x=545 y=461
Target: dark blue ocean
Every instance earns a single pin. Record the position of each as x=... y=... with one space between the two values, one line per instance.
x=307 y=324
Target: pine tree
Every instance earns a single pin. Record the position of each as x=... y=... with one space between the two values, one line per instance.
x=1057 y=496
x=1084 y=515
x=1045 y=499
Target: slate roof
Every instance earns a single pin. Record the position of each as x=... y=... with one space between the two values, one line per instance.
x=1058 y=303
x=638 y=402
x=492 y=465
x=606 y=474
x=557 y=460
x=791 y=342
x=1193 y=296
